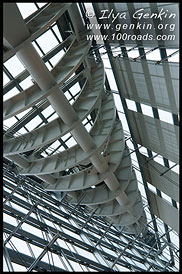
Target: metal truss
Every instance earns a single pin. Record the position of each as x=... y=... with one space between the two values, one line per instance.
x=103 y=148
x=73 y=237
x=111 y=250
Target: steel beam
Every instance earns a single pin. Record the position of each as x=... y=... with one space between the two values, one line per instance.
x=46 y=248
x=41 y=266
x=90 y=228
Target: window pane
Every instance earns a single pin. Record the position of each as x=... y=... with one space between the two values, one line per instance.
x=5 y=79
x=10 y=94
x=26 y=83
x=14 y=66
x=21 y=246
x=165 y=116
x=47 y=111
x=41 y=4
x=147 y=110
x=26 y=9
x=33 y=123
x=18 y=267
x=9 y=122
x=37 y=49
x=47 y=41
x=131 y=105
x=55 y=28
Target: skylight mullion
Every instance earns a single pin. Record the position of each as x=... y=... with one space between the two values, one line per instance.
x=6 y=80
x=27 y=13
x=12 y=79
x=41 y=115
x=56 y=149
x=89 y=121
x=62 y=143
x=43 y=52
x=164 y=56
x=72 y=96
x=39 y=47
x=55 y=33
x=37 y=6
x=76 y=95
x=28 y=117
x=18 y=79
x=48 y=147
x=23 y=126
x=51 y=115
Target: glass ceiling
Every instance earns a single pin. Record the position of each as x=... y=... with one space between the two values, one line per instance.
x=16 y=79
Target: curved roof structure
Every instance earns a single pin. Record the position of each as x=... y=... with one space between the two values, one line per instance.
x=91 y=137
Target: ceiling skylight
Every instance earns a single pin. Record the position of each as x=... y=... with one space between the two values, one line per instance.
x=47 y=41
x=10 y=94
x=5 y=79
x=26 y=9
x=26 y=83
x=14 y=65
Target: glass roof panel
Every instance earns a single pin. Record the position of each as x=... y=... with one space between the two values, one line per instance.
x=33 y=123
x=22 y=131
x=173 y=58
x=133 y=53
x=75 y=89
x=23 y=113
x=54 y=60
x=147 y=110
x=131 y=104
x=153 y=55
x=19 y=268
x=26 y=9
x=10 y=94
x=5 y=79
x=48 y=66
x=47 y=41
x=37 y=49
x=68 y=95
x=55 y=28
x=55 y=144
x=66 y=136
x=9 y=122
x=54 y=116
x=41 y=4
x=165 y=116
x=14 y=66
x=26 y=83
x=47 y=111
x=88 y=126
x=71 y=142
x=118 y=102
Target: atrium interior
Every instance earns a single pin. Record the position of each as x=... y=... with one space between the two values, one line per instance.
x=90 y=137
